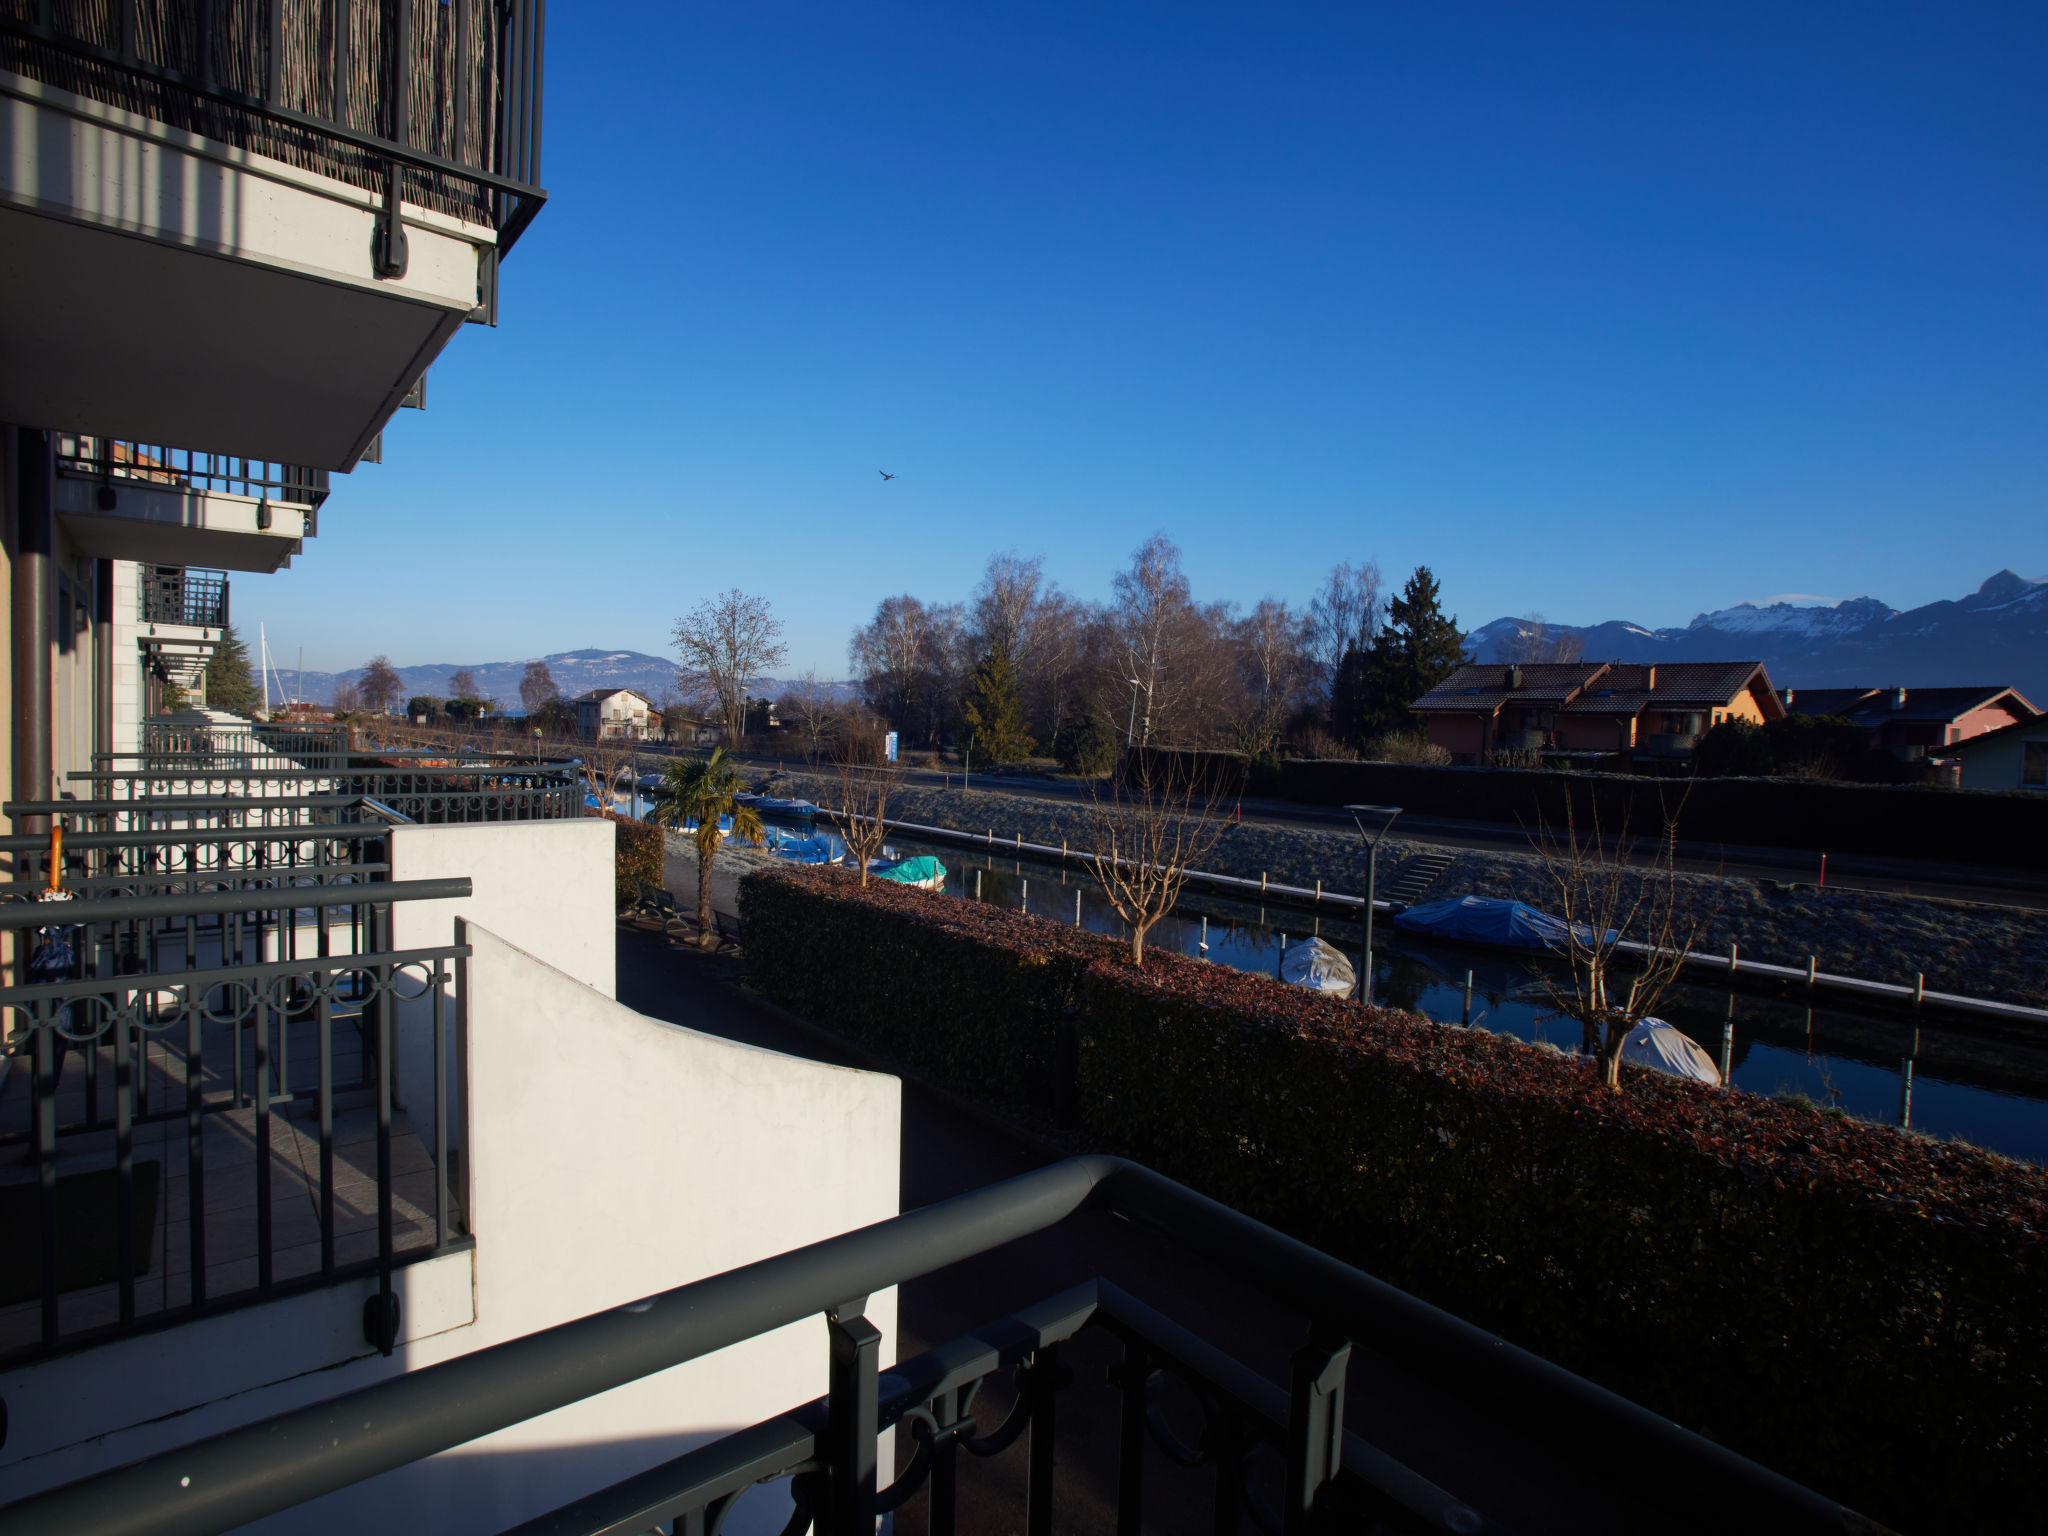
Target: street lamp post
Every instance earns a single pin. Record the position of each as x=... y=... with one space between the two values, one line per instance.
x=1384 y=815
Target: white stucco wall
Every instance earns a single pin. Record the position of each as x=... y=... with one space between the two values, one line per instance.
x=614 y=1156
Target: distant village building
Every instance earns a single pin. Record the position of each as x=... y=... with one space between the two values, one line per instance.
x=1912 y=723
x=2013 y=757
x=1594 y=708
x=605 y=713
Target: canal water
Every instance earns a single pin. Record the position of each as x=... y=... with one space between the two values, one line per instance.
x=1939 y=1075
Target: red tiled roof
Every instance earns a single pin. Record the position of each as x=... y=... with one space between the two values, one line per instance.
x=1627 y=688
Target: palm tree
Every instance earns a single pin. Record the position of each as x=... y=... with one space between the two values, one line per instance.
x=702 y=790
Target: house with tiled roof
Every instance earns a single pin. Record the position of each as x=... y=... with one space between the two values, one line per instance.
x=2013 y=757
x=1592 y=708
x=1912 y=723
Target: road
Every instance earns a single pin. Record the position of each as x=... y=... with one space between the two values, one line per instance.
x=1995 y=884
x=949 y=1147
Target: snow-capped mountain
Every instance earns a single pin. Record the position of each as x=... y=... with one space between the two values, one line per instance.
x=1997 y=634
x=574 y=672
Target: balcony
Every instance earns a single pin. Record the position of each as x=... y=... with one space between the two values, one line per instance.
x=165 y=506
x=342 y=178
x=191 y=599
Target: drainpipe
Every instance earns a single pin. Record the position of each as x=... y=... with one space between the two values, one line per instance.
x=35 y=538
x=103 y=658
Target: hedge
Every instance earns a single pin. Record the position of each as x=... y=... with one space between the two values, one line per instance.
x=1979 y=826
x=640 y=854
x=1863 y=1309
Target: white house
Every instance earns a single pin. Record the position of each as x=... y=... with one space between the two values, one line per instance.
x=616 y=712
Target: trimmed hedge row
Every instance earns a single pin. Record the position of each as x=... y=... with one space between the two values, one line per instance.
x=1865 y=1310
x=1979 y=826
x=638 y=855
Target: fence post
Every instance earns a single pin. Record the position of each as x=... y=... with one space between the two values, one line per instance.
x=1466 y=1021
x=852 y=1422
x=1315 y=1427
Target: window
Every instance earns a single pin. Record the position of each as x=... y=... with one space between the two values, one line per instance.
x=2034 y=765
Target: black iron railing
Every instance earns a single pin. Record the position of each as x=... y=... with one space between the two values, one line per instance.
x=1326 y=1479
x=182 y=1030
x=179 y=594
x=278 y=796
x=116 y=463
x=437 y=103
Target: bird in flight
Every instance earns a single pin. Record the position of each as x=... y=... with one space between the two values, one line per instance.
x=885 y=474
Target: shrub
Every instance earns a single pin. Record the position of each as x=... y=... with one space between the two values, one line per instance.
x=1086 y=747
x=1734 y=749
x=639 y=854
x=1814 y=1290
x=1406 y=747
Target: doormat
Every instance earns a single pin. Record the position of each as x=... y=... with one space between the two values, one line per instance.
x=88 y=1231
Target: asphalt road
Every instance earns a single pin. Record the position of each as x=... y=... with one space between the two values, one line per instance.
x=1996 y=884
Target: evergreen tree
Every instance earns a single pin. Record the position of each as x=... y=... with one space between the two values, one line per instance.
x=1418 y=648
x=229 y=683
x=1351 y=699
x=994 y=709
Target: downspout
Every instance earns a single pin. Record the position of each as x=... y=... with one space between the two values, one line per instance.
x=103 y=660
x=35 y=537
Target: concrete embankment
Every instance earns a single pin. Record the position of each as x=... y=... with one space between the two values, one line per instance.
x=1962 y=947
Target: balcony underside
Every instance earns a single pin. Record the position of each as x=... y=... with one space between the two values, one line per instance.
x=174 y=290
x=176 y=525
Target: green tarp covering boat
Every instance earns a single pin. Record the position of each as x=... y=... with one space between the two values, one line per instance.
x=925 y=872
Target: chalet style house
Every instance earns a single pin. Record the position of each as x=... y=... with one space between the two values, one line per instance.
x=1912 y=723
x=2012 y=757
x=616 y=714
x=1594 y=708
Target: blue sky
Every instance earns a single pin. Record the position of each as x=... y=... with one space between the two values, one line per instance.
x=1625 y=310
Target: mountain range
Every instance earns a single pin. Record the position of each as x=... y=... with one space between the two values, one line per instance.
x=1996 y=635
x=574 y=672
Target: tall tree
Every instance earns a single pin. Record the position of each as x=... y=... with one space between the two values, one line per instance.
x=463 y=685
x=1165 y=649
x=994 y=711
x=536 y=687
x=379 y=685
x=229 y=683
x=1344 y=616
x=1418 y=647
x=726 y=642
x=1273 y=660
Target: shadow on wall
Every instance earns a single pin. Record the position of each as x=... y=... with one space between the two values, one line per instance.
x=481 y=1489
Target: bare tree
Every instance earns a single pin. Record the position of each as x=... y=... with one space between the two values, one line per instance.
x=810 y=705
x=537 y=687
x=1272 y=664
x=603 y=762
x=1535 y=641
x=1146 y=832
x=1164 y=645
x=1345 y=615
x=1607 y=901
x=868 y=782
x=463 y=685
x=379 y=685
x=726 y=642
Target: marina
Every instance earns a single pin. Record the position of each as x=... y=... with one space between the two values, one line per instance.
x=1935 y=1072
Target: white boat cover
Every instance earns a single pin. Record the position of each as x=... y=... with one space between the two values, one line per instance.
x=1320 y=966
x=1664 y=1048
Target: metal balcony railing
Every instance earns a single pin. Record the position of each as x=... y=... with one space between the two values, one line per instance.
x=434 y=103
x=193 y=1026
x=177 y=594
x=1280 y=1457
x=224 y=793
x=115 y=463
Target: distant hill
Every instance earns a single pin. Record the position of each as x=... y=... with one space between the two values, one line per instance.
x=574 y=672
x=1997 y=634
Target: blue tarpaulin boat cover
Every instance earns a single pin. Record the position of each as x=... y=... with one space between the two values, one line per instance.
x=1485 y=920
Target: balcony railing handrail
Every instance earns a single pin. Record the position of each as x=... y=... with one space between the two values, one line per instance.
x=114 y=909
x=186 y=837
x=291 y=877
x=272 y=1465
x=518 y=142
